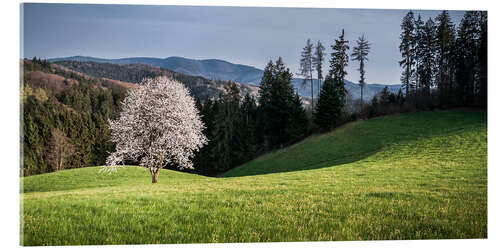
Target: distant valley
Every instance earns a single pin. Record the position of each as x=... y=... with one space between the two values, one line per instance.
x=222 y=70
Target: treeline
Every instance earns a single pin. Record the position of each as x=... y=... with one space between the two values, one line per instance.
x=444 y=66
x=68 y=125
x=239 y=129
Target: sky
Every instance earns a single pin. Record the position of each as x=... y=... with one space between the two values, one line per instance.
x=242 y=35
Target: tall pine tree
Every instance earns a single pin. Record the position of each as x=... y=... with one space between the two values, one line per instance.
x=407 y=49
x=445 y=47
x=318 y=59
x=306 y=67
x=483 y=60
x=427 y=44
x=360 y=53
x=467 y=57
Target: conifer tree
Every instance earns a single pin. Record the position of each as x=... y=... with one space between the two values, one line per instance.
x=400 y=98
x=419 y=51
x=329 y=109
x=276 y=109
x=226 y=132
x=467 y=57
x=340 y=58
x=318 y=62
x=384 y=95
x=248 y=110
x=483 y=59
x=298 y=123
x=306 y=67
x=407 y=49
x=328 y=112
x=360 y=53
x=427 y=55
x=445 y=44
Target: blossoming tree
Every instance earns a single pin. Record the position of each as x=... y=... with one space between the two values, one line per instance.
x=158 y=126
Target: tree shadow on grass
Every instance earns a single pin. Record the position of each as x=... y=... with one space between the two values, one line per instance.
x=360 y=140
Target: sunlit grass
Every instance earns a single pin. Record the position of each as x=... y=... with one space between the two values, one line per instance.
x=352 y=184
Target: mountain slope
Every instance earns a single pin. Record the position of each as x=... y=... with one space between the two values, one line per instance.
x=222 y=70
x=432 y=186
x=199 y=86
x=209 y=68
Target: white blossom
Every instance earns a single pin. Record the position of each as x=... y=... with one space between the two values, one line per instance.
x=158 y=125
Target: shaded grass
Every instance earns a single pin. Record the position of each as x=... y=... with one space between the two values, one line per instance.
x=423 y=187
x=358 y=140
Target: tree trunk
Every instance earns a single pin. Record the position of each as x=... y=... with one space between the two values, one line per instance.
x=155 y=175
x=312 y=95
x=361 y=103
x=312 y=89
x=319 y=86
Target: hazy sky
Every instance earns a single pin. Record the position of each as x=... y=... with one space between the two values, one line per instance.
x=241 y=35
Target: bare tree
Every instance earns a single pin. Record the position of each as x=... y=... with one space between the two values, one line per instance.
x=360 y=53
x=159 y=126
x=59 y=149
x=306 y=67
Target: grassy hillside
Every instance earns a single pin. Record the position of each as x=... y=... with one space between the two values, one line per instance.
x=356 y=141
x=369 y=180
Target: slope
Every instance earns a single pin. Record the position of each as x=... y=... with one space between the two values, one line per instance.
x=355 y=141
x=416 y=187
x=199 y=87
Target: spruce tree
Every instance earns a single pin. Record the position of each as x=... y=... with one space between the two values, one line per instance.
x=419 y=51
x=204 y=159
x=276 y=115
x=329 y=108
x=400 y=98
x=467 y=57
x=318 y=62
x=483 y=59
x=360 y=53
x=340 y=58
x=226 y=132
x=384 y=95
x=328 y=112
x=298 y=120
x=407 y=49
x=427 y=55
x=306 y=67
x=445 y=45
x=248 y=110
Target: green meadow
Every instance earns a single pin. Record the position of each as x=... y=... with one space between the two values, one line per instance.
x=411 y=176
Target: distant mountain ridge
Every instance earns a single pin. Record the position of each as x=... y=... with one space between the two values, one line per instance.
x=208 y=68
x=223 y=70
x=199 y=86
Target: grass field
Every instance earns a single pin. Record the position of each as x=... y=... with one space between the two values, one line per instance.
x=412 y=176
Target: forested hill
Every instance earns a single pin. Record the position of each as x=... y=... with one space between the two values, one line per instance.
x=200 y=87
x=209 y=68
x=66 y=108
x=70 y=104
